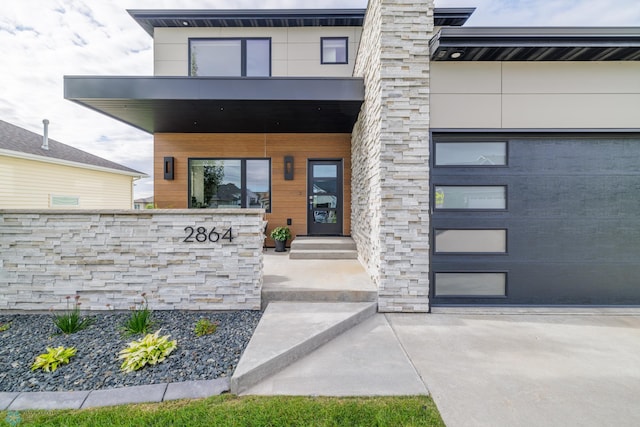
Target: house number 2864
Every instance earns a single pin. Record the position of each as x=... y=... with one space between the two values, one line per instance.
x=202 y=235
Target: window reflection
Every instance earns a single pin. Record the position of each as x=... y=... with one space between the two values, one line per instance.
x=471 y=153
x=217 y=183
x=230 y=57
x=470 y=197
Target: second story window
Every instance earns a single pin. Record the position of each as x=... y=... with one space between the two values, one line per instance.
x=230 y=57
x=334 y=50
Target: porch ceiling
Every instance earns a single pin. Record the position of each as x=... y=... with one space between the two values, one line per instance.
x=223 y=105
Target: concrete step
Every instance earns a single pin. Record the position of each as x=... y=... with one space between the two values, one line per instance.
x=323 y=254
x=289 y=331
x=288 y=294
x=323 y=243
x=323 y=248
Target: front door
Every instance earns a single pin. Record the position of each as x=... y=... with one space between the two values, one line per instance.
x=324 y=197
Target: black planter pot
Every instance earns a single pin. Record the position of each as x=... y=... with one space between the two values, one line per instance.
x=280 y=245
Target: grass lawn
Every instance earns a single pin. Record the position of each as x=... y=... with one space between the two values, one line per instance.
x=231 y=410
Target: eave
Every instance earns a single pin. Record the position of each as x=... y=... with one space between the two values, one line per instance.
x=149 y=19
x=536 y=44
x=223 y=105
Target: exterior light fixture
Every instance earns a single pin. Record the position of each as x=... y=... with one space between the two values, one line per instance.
x=456 y=55
x=168 y=168
x=288 y=168
x=185 y=23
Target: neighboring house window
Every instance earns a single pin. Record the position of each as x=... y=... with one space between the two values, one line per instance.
x=230 y=183
x=230 y=57
x=63 y=201
x=334 y=50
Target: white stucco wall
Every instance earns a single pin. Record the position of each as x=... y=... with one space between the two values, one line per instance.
x=295 y=51
x=536 y=95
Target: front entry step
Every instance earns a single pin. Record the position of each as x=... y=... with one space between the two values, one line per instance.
x=323 y=248
x=289 y=331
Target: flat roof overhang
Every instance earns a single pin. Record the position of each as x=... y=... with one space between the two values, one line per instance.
x=266 y=18
x=536 y=44
x=223 y=105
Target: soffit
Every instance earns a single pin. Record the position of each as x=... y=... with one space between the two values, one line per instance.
x=536 y=44
x=223 y=105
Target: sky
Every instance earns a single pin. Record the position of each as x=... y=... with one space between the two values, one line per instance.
x=43 y=40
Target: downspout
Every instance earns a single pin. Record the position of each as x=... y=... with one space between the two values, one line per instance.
x=45 y=136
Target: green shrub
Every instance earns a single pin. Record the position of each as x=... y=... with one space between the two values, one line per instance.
x=140 y=320
x=205 y=327
x=50 y=360
x=71 y=321
x=150 y=350
x=5 y=326
x=281 y=233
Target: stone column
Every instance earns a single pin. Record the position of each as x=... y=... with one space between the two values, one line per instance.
x=390 y=153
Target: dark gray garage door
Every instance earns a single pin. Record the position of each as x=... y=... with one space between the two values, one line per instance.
x=535 y=220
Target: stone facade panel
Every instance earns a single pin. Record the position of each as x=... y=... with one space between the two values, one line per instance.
x=111 y=257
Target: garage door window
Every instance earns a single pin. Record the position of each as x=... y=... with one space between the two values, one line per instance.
x=470 y=197
x=470 y=284
x=471 y=154
x=470 y=241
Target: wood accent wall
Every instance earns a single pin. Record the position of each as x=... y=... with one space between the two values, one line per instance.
x=288 y=198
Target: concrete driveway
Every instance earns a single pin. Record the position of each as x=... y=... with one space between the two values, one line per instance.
x=527 y=370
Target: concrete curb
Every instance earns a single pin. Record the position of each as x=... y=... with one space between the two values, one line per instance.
x=18 y=401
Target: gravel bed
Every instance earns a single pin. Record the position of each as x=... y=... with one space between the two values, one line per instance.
x=96 y=365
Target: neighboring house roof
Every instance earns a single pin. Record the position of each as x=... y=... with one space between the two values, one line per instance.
x=159 y=18
x=144 y=200
x=18 y=142
x=536 y=44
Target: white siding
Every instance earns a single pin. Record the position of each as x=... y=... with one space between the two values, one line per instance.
x=29 y=184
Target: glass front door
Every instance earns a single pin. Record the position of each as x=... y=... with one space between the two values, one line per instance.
x=324 y=197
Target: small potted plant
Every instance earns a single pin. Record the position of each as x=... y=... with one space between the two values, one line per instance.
x=281 y=235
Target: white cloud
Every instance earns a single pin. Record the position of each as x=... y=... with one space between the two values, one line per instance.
x=43 y=40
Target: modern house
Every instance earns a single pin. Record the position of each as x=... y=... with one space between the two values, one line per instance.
x=39 y=173
x=472 y=166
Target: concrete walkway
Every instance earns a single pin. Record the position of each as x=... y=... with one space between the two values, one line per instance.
x=343 y=280
x=527 y=370
x=367 y=360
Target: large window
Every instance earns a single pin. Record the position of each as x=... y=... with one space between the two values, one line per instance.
x=230 y=57
x=334 y=50
x=230 y=183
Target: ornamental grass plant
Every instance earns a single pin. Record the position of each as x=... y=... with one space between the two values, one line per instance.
x=71 y=321
x=141 y=319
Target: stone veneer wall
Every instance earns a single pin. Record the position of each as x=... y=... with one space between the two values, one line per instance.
x=111 y=257
x=390 y=152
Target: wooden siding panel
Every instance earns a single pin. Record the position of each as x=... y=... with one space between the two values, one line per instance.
x=28 y=184
x=288 y=198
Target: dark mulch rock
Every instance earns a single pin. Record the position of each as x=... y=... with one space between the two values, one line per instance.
x=96 y=364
